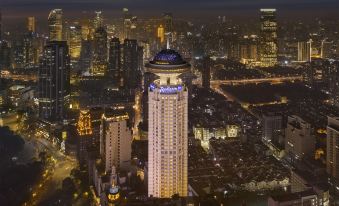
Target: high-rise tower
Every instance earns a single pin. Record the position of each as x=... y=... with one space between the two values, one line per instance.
x=99 y=67
x=74 y=42
x=268 y=37
x=54 y=81
x=332 y=160
x=127 y=23
x=168 y=22
x=115 y=140
x=131 y=63
x=167 y=126
x=161 y=33
x=305 y=51
x=31 y=24
x=55 y=25
x=98 y=20
x=114 y=60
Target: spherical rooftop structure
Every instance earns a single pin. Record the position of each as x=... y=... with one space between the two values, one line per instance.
x=168 y=56
x=168 y=61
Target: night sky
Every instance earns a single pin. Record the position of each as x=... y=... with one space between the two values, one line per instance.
x=183 y=8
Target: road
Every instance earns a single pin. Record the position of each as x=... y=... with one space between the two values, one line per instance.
x=230 y=97
x=19 y=77
x=58 y=167
x=257 y=81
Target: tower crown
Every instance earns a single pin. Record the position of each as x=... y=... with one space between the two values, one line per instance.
x=168 y=61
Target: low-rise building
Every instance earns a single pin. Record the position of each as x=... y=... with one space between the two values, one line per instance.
x=305 y=198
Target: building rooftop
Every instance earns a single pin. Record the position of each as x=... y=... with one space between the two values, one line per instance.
x=293 y=196
x=168 y=56
x=168 y=61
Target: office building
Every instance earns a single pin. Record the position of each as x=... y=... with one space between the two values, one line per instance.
x=74 y=42
x=98 y=20
x=249 y=49
x=326 y=49
x=305 y=51
x=131 y=64
x=168 y=22
x=161 y=33
x=99 y=65
x=30 y=50
x=334 y=83
x=85 y=29
x=54 y=81
x=86 y=56
x=268 y=37
x=146 y=49
x=167 y=126
x=127 y=24
x=31 y=24
x=55 y=25
x=298 y=139
x=114 y=60
x=272 y=126
x=86 y=139
x=5 y=55
x=115 y=140
x=332 y=160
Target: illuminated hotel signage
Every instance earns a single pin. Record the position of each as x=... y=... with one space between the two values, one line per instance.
x=167 y=90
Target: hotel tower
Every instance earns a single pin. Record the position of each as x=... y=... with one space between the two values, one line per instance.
x=167 y=130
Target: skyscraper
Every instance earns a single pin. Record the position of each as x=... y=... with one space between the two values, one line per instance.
x=99 y=67
x=114 y=60
x=98 y=20
x=127 y=23
x=131 y=63
x=268 y=38
x=272 y=126
x=334 y=83
x=5 y=55
x=168 y=22
x=55 y=25
x=74 y=42
x=18 y=54
x=305 y=51
x=115 y=140
x=85 y=28
x=332 y=160
x=326 y=49
x=86 y=139
x=161 y=33
x=54 y=81
x=86 y=56
x=31 y=24
x=167 y=126
x=29 y=50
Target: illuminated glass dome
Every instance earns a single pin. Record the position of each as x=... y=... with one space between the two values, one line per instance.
x=168 y=61
x=169 y=57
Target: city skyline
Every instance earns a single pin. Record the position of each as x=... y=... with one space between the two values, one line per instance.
x=184 y=9
x=187 y=103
